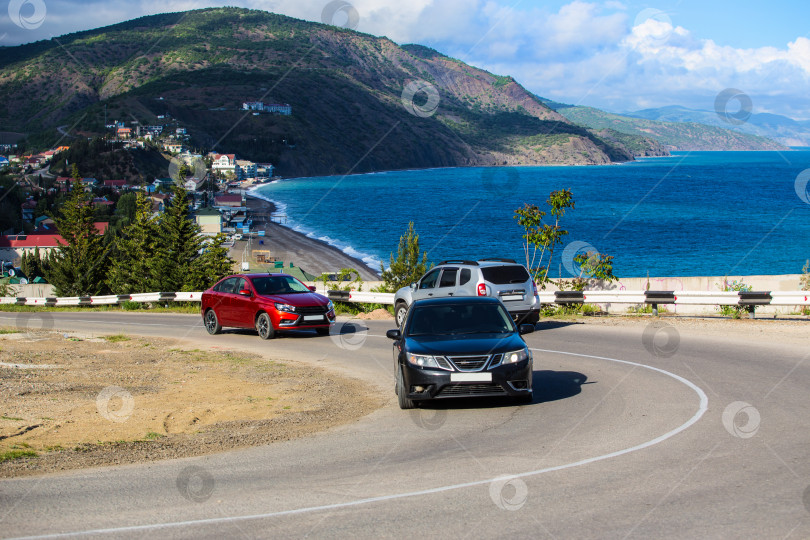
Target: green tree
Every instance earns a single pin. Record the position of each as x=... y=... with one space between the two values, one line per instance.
x=178 y=244
x=33 y=265
x=540 y=239
x=78 y=267
x=593 y=266
x=409 y=265
x=126 y=207
x=213 y=264
x=131 y=266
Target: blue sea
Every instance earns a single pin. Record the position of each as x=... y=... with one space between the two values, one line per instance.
x=691 y=214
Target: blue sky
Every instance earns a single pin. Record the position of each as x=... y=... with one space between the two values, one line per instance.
x=620 y=55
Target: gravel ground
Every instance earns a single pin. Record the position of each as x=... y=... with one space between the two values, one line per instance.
x=79 y=402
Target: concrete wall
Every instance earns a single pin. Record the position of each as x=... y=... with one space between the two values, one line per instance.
x=699 y=283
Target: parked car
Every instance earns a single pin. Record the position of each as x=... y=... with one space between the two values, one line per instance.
x=504 y=279
x=267 y=302
x=460 y=347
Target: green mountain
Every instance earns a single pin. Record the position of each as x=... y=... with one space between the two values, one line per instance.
x=673 y=135
x=349 y=94
x=780 y=128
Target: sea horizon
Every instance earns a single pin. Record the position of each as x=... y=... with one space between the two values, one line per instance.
x=636 y=211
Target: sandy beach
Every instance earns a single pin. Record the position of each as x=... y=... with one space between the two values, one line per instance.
x=284 y=244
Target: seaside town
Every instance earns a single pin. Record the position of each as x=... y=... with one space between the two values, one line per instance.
x=217 y=185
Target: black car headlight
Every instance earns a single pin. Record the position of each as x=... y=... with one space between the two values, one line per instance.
x=428 y=361
x=287 y=308
x=512 y=357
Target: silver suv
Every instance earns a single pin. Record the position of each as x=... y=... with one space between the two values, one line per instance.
x=503 y=279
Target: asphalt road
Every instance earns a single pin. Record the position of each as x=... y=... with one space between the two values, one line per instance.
x=633 y=433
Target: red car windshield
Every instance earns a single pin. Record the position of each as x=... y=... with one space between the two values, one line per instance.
x=272 y=285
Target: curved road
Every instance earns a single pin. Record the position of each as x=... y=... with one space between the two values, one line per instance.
x=634 y=432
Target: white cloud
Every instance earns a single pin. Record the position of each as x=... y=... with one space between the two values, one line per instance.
x=597 y=53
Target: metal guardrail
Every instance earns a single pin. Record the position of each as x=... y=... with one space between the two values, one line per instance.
x=750 y=299
x=653 y=298
x=51 y=301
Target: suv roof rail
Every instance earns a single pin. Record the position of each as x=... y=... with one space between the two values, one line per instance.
x=497 y=259
x=454 y=261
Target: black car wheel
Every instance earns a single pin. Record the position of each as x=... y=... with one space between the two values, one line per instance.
x=212 y=322
x=402 y=392
x=401 y=311
x=264 y=326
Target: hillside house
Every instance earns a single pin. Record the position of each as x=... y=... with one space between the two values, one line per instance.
x=228 y=200
x=4 y=162
x=224 y=163
x=12 y=247
x=116 y=185
x=28 y=208
x=244 y=169
x=124 y=132
x=209 y=220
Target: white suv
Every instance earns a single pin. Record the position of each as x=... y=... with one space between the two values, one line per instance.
x=503 y=279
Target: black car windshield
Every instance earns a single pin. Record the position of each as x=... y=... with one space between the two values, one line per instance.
x=270 y=285
x=459 y=319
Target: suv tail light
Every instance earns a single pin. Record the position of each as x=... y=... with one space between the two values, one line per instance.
x=534 y=286
x=482 y=289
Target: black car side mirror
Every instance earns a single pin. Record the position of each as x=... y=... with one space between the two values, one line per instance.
x=526 y=329
x=393 y=334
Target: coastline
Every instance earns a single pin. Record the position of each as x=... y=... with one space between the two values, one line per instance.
x=310 y=254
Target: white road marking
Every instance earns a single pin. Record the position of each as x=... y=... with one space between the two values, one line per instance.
x=704 y=404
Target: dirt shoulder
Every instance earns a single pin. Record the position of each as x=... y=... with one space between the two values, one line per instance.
x=76 y=402
x=793 y=331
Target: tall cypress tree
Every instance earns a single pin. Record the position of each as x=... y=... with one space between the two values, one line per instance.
x=178 y=245
x=79 y=267
x=133 y=260
x=212 y=264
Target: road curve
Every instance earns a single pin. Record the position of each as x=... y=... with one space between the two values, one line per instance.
x=645 y=431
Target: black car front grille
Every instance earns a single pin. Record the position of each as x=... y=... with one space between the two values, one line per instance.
x=469 y=363
x=311 y=310
x=452 y=390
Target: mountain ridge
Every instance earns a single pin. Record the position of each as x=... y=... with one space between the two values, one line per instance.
x=346 y=89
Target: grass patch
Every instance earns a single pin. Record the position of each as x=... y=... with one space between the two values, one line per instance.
x=117 y=338
x=9 y=331
x=151 y=436
x=16 y=454
x=178 y=307
x=14 y=418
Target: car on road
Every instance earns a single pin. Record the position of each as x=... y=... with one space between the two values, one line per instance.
x=504 y=279
x=456 y=347
x=267 y=302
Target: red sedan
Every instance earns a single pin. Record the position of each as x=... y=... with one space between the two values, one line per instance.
x=266 y=302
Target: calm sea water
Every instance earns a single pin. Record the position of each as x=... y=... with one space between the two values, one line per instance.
x=691 y=214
